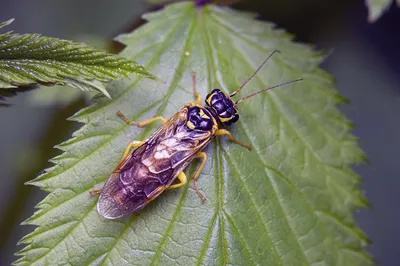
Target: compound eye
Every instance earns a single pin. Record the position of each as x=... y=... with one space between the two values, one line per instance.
x=235 y=118
x=219 y=107
x=231 y=110
x=213 y=97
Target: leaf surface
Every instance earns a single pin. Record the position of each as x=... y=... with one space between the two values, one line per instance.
x=30 y=59
x=289 y=201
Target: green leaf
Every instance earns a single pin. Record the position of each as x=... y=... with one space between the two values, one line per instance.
x=377 y=7
x=30 y=59
x=6 y=23
x=63 y=95
x=289 y=201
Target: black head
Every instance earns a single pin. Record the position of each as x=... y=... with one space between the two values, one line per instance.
x=223 y=106
x=199 y=119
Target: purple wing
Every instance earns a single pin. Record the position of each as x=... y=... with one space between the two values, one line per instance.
x=151 y=168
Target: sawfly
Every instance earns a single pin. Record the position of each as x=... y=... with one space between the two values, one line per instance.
x=149 y=167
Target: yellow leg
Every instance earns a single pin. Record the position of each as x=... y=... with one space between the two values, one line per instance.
x=95 y=191
x=196 y=94
x=131 y=145
x=143 y=123
x=198 y=172
x=226 y=132
x=182 y=178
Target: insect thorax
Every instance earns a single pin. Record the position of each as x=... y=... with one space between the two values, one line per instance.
x=200 y=118
x=223 y=106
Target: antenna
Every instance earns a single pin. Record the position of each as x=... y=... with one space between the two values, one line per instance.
x=255 y=72
x=270 y=88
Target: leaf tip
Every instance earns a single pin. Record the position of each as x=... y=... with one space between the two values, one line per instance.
x=32 y=182
x=24 y=241
x=364 y=159
x=26 y=222
x=105 y=92
x=153 y=77
x=367 y=205
x=342 y=99
x=6 y=23
x=18 y=261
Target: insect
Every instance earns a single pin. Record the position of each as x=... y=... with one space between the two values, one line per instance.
x=153 y=165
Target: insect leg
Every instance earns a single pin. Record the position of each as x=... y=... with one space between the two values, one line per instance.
x=226 y=132
x=128 y=149
x=198 y=172
x=95 y=191
x=143 y=123
x=133 y=144
x=182 y=178
x=196 y=94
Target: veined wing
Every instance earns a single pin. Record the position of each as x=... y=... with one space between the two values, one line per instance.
x=151 y=167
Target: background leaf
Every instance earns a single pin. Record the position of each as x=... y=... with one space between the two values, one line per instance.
x=63 y=95
x=29 y=59
x=287 y=202
x=377 y=7
x=6 y=23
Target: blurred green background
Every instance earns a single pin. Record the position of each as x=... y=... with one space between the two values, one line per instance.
x=365 y=62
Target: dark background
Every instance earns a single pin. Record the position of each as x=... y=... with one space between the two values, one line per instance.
x=365 y=63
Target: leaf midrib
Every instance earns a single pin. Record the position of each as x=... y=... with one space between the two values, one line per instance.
x=212 y=65
x=162 y=108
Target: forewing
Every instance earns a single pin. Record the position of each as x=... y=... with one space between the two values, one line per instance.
x=114 y=203
x=150 y=168
x=170 y=151
x=130 y=187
